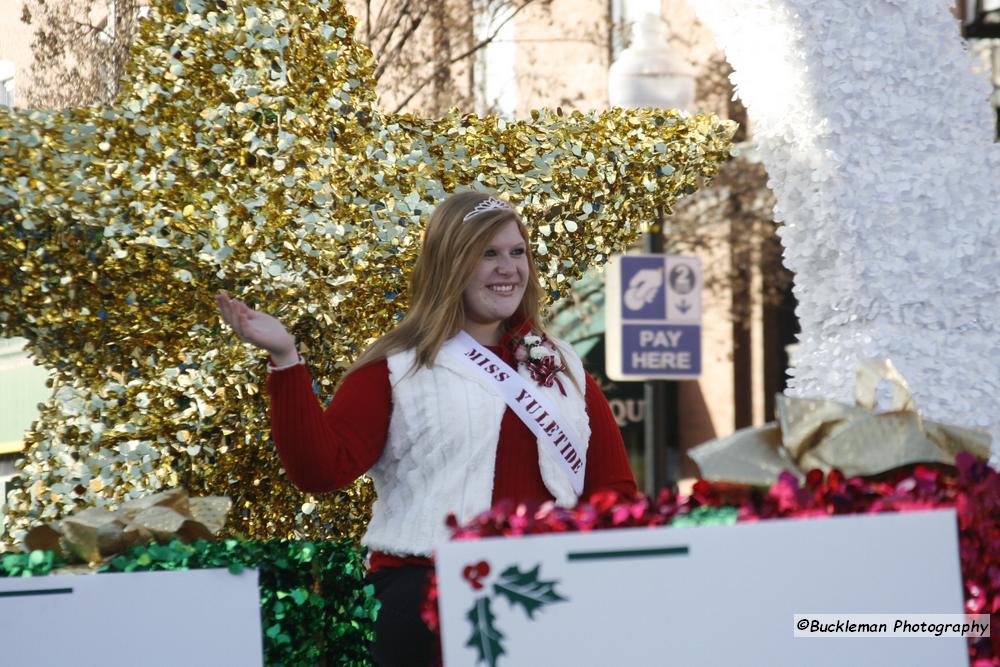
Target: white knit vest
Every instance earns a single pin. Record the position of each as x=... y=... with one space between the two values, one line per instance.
x=440 y=455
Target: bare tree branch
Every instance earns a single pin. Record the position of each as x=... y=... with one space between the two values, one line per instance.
x=75 y=62
x=404 y=11
x=378 y=19
x=368 y=21
x=87 y=27
x=387 y=59
x=445 y=66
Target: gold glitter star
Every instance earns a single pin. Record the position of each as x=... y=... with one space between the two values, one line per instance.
x=245 y=152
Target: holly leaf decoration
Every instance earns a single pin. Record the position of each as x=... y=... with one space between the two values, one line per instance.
x=525 y=589
x=485 y=636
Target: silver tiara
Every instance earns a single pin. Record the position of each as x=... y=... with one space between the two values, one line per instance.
x=487 y=204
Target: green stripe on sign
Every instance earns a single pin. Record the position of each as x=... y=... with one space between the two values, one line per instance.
x=627 y=553
x=35 y=591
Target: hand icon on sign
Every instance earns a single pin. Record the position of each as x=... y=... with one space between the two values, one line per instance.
x=643 y=287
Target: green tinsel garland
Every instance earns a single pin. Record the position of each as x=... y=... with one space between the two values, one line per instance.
x=315 y=608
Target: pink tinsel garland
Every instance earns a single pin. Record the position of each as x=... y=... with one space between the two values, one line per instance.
x=972 y=488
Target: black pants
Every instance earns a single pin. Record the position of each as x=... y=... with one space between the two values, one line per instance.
x=402 y=639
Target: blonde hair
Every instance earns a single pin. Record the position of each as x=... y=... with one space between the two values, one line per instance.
x=452 y=248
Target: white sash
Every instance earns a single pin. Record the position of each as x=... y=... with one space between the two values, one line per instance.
x=560 y=437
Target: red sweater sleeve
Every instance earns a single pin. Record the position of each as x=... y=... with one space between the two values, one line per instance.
x=608 y=468
x=324 y=450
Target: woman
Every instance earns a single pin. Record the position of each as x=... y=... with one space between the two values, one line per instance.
x=428 y=419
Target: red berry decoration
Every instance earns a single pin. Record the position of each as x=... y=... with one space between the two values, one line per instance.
x=473 y=574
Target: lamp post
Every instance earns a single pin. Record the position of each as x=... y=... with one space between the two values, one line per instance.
x=981 y=20
x=650 y=74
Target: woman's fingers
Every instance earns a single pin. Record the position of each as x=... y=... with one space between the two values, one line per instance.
x=243 y=316
x=252 y=326
x=228 y=313
x=244 y=310
x=231 y=314
x=220 y=303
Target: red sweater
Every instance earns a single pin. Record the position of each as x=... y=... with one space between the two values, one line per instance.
x=325 y=450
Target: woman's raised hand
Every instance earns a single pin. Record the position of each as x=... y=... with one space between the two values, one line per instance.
x=257 y=328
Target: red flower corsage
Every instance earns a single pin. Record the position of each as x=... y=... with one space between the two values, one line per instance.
x=542 y=360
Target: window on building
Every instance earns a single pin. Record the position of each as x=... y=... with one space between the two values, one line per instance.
x=109 y=26
x=116 y=12
x=494 y=65
x=22 y=388
x=6 y=83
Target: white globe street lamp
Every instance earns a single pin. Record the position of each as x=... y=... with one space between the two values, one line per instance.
x=649 y=73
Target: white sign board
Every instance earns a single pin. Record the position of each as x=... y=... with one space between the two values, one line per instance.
x=652 y=310
x=701 y=596
x=155 y=619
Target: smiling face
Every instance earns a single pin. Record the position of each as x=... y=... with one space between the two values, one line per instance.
x=496 y=287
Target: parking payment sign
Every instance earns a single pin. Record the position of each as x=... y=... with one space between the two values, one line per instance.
x=653 y=317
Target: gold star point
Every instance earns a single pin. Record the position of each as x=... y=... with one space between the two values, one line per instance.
x=245 y=151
